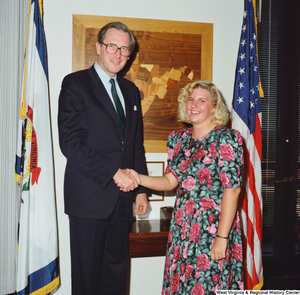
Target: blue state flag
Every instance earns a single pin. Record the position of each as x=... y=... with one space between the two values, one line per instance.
x=37 y=267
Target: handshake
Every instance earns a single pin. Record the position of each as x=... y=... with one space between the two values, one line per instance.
x=127 y=179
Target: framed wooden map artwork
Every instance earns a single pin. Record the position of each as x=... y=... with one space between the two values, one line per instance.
x=168 y=56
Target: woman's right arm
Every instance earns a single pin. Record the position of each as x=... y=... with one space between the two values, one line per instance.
x=159 y=183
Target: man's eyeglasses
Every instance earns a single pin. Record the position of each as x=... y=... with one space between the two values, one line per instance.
x=113 y=48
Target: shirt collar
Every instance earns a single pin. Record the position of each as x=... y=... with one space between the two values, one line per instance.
x=102 y=75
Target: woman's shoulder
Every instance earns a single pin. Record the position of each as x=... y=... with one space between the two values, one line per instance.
x=225 y=133
x=179 y=134
x=223 y=130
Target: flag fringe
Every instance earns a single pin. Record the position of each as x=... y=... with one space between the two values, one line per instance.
x=261 y=91
x=23 y=105
x=259 y=285
x=48 y=288
x=17 y=178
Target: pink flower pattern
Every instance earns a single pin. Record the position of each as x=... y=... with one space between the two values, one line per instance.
x=177 y=253
x=224 y=179
x=194 y=232
x=199 y=154
x=179 y=215
x=237 y=252
x=227 y=152
x=184 y=165
x=183 y=231
x=189 y=207
x=212 y=229
x=198 y=289
x=207 y=203
x=203 y=262
x=174 y=283
x=189 y=183
x=204 y=174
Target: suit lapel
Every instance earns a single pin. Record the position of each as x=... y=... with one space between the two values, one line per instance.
x=100 y=92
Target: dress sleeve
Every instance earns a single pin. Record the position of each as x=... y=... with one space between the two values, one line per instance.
x=231 y=159
x=173 y=148
x=170 y=150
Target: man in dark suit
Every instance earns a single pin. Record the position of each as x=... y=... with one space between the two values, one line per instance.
x=100 y=134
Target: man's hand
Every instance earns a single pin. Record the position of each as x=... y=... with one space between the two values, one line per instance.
x=125 y=181
x=141 y=204
x=134 y=174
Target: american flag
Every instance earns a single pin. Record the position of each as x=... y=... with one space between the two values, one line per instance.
x=246 y=117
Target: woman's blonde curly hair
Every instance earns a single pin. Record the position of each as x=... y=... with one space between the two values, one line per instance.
x=221 y=114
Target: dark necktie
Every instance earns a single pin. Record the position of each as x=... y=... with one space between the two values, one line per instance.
x=118 y=105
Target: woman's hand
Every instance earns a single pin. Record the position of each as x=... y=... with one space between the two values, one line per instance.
x=218 y=250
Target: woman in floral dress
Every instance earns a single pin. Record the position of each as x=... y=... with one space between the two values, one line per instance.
x=204 y=250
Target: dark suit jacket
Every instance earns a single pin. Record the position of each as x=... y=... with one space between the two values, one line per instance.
x=91 y=140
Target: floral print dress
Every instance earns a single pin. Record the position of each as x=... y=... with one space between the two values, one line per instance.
x=203 y=168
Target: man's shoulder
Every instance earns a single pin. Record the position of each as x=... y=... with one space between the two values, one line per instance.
x=78 y=75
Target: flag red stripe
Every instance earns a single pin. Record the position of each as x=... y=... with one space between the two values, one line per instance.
x=257 y=210
x=257 y=136
x=248 y=280
x=255 y=279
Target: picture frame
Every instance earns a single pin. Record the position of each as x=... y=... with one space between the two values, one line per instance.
x=156 y=168
x=168 y=56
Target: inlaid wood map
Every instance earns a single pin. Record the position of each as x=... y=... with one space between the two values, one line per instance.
x=168 y=56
